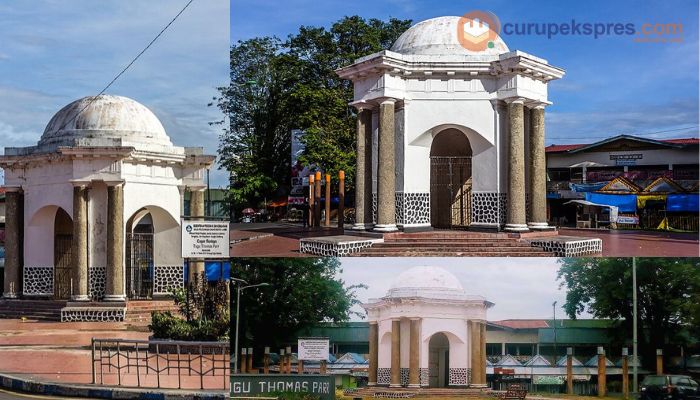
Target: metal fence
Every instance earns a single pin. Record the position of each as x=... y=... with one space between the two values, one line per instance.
x=161 y=363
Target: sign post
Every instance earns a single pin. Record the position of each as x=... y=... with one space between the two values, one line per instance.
x=205 y=239
x=313 y=349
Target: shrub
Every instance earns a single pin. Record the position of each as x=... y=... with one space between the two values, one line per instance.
x=165 y=325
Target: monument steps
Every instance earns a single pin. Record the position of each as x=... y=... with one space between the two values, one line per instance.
x=138 y=312
x=453 y=243
x=42 y=310
x=451 y=253
x=422 y=392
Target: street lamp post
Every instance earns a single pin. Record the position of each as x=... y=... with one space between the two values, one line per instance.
x=241 y=282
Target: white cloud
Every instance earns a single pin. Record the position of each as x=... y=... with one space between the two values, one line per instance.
x=56 y=51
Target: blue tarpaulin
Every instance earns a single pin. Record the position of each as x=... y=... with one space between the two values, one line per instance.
x=215 y=270
x=683 y=202
x=624 y=202
x=586 y=187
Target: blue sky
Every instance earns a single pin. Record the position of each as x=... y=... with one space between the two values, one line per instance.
x=54 y=51
x=612 y=84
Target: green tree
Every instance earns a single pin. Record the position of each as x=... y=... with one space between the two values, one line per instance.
x=301 y=293
x=279 y=86
x=255 y=146
x=668 y=297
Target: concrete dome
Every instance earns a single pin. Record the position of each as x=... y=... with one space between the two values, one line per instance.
x=427 y=282
x=438 y=37
x=103 y=121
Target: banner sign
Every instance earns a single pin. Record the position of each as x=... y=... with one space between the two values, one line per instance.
x=313 y=349
x=557 y=379
x=205 y=239
x=255 y=385
x=637 y=156
x=624 y=219
x=548 y=380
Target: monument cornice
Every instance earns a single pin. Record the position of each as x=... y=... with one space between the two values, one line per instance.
x=408 y=66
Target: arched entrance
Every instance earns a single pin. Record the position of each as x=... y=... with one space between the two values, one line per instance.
x=62 y=254
x=450 y=180
x=438 y=360
x=139 y=255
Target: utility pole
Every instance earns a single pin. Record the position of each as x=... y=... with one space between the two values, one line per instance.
x=635 y=358
x=554 y=311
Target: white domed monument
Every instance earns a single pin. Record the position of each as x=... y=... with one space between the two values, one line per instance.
x=450 y=132
x=427 y=332
x=93 y=210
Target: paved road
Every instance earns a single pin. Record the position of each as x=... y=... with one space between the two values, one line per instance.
x=7 y=395
x=282 y=240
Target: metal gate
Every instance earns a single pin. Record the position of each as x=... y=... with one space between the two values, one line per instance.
x=450 y=192
x=62 y=266
x=139 y=265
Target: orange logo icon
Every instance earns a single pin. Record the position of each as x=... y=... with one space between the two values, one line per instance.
x=477 y=30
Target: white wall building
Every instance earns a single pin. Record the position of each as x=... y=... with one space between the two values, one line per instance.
x=450 y=137
x=93 y=210
x=427 y=332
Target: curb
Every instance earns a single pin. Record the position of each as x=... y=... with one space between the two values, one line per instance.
x=249 y=238
x=103 y=392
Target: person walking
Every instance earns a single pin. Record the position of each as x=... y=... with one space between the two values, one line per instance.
x=305 y=212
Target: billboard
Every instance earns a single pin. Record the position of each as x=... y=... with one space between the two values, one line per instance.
x=205 y=239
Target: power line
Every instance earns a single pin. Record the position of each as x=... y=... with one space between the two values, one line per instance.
x=631 y=134
x=128 y=66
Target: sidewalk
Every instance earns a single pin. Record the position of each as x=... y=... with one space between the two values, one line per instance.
x=272 y=239
x=54 y=352
x=282 y=240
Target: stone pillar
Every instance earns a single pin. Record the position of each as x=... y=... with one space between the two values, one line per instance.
x=373 y=353
x=482 y=351
x=602 y=386
x=386 y=169
x=475 y=344
x=538 y=170
x=266 y=361
x=363 y=172
x=14 y=200
x=282 y=362
x=515 y=217
x=414 y=352
x=327 y=220
x=250 y=360
x=196 y=210
x=659 y=362
x=395 y=353
x=244 y=360
x=114 y=275
x=341 y=199
x=79 y=279
x=317 y=199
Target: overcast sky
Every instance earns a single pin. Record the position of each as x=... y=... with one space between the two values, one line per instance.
x=519 y=287
x=55 y=51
